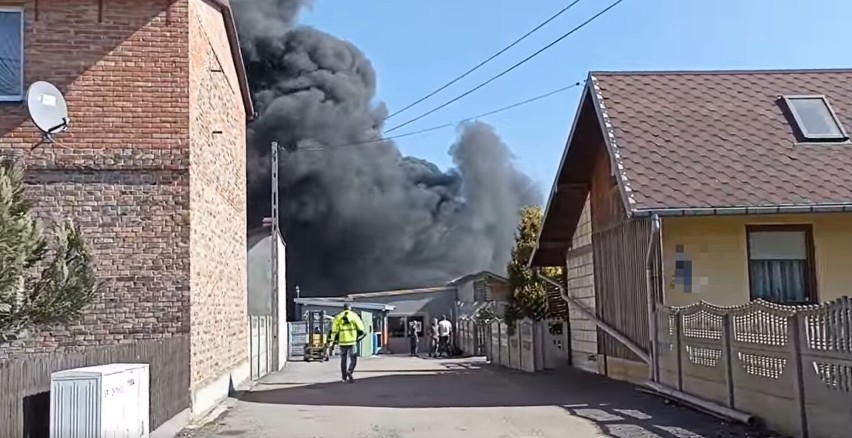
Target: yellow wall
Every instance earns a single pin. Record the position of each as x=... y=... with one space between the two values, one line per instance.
x=716 y=245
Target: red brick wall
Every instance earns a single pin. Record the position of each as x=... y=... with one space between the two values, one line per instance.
x=122 y=171
x=218 y=198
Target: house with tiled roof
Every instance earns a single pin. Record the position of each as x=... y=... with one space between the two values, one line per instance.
x=716 y=186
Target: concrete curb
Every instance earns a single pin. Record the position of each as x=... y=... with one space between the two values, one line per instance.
x=218 y=411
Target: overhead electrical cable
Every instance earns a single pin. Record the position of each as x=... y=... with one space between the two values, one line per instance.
x=450 y=124
x=487 y=60
x=504 y=72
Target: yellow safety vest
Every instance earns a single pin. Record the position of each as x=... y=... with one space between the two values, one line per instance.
x=346 y=326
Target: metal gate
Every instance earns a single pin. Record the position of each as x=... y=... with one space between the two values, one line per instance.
x=296 y=338
x=260 y=345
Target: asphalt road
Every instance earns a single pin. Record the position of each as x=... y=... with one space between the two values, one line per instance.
x=402 y=397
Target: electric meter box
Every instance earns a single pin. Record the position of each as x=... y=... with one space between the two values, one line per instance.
x=106 y=401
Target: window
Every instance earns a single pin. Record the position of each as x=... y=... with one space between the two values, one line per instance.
x=781 y=263
x=11 y=54
x=396 y=326
x=815 y=118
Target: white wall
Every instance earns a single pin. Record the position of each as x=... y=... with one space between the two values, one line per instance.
x=283 y=348
x=581 y=284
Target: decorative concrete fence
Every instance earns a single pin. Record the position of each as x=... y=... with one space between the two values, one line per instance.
x=790 y=366
x=534 y=345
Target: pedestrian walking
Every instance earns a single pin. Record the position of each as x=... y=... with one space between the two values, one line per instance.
x=347 y=330
x=445 y=328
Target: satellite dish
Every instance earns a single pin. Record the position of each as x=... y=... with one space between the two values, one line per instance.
x=48 y=109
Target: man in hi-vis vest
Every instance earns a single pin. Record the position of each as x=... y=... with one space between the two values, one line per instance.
x=347 y=330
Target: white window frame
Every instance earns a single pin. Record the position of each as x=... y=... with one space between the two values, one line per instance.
x=804 y=129
x=20 y=97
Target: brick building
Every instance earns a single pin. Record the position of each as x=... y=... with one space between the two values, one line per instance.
x=153 y=170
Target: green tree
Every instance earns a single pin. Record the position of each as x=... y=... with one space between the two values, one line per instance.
x=39 y=284
x=528 y=298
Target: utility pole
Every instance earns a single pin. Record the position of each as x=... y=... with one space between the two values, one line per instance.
x=297 y=307
x=275 y=237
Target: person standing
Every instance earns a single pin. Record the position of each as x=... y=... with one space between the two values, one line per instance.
x=413 y=339
x=433 y=338
x=445 y=328
x=347 y=330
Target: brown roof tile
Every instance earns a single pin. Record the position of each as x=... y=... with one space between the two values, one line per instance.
x=722 y=139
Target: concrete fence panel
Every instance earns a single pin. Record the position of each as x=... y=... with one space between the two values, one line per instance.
x=826 y=357
x=669 y=347
x=526 y=342
x=702 y=353
x=764 y=365
x=790 y=366
x=502 y=335
x=555 y=344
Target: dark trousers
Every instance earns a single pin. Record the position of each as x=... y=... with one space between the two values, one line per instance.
x=413 y=344
x=347 y=354
x=444 y=345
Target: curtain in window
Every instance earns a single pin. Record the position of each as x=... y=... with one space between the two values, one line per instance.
x=779 y=281
x=10 y=54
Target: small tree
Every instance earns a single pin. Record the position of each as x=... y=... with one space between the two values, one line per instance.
x=34 y=291
x=528 y=297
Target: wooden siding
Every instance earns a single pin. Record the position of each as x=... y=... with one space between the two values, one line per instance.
x=619 y=246
x=620 y=286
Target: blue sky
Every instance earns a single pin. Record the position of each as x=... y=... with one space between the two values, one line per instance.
x=417 y=45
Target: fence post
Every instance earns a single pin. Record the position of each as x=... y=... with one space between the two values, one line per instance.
x=499 y=343
x=520 y=333
x=678 y=325
x=727 y=352
x=795 y=364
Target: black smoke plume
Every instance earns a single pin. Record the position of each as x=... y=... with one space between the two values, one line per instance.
x=360 y=216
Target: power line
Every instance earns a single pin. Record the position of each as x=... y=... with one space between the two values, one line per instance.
x=450 y=124
x=504 y=72
x=489 y=59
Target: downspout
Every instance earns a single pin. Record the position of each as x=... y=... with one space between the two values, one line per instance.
x=654 y=242
x=592 y=316
x=654 y=239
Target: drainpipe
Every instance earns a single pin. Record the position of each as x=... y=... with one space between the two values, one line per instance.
x=709 y=407
x=592 y=316
x=653 y=240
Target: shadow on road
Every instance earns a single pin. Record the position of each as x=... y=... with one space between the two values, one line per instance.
x=618 y=409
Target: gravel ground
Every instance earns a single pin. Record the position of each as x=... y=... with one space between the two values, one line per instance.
x=402 y=397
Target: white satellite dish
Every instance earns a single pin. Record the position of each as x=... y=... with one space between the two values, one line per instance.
x=47 y=109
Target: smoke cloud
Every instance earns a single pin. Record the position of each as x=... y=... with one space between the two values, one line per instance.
x=360 y=217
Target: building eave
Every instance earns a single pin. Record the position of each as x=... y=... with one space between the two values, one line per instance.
x=610 y=143
x=237 y=55
x=340 y=302
x=747 y=210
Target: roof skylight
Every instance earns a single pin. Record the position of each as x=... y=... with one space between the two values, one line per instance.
x=815 y=118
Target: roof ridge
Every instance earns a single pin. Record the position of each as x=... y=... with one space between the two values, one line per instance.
x=717 y=72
